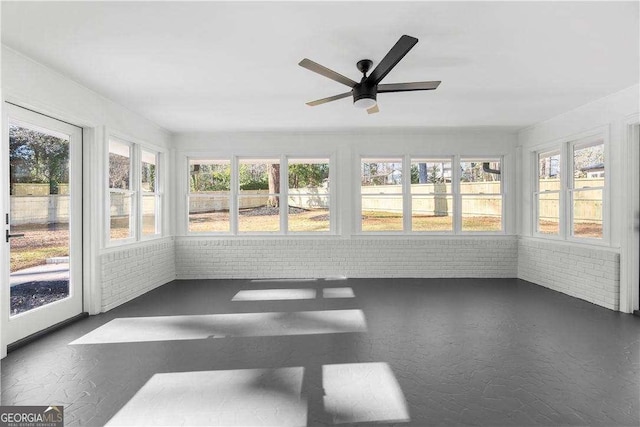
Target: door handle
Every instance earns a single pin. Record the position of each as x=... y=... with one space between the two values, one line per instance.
x=9 y=236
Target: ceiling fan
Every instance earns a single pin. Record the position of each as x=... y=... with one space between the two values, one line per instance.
x=365 y=93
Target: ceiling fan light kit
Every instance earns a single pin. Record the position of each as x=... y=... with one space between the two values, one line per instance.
x=365 y=93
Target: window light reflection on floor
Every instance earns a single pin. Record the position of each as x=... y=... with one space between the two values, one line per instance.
x=338 y=293
x=363 y=392
x=274 y=294
x=193 y=327
x=241 y=397
x=282 y=280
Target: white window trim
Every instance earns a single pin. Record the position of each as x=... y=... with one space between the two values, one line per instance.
x=410 y=230
x=503 y=196
x=565 y=146
x=234 y=195
x=358 y=183
x=570 y=147
x=406 y=194
x=134 y=189
x=131 y=192
x=157 y=193
x=331 y=196
x=536 y=191
x=187 y=189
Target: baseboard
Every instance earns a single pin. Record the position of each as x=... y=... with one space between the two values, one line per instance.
x=31 y=338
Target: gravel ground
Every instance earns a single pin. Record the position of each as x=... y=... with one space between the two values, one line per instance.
x=30 y=295
x=269 y=210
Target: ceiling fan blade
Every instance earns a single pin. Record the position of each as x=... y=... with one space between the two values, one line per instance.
x=397 y=52
x=406 y=87
x=324 y=71
x=329 y=99
x=373 y=109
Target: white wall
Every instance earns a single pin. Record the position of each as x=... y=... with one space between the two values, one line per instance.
x=37 y=87
x=343 y=253
x=32 y=85
x=612 y=116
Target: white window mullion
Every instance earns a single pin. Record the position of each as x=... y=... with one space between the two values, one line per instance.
x=457 y=198
x=137 y=194
x=407 y=215
x=233 y=195
x=158 y=189
x=566 y=223
x=283 y=193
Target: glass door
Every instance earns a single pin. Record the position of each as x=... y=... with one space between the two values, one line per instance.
x=44 y=223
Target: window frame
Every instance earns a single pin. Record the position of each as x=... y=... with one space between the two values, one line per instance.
x=157 y=193
x=536 y=192
x=570 y=190
x=234 y=194
x=331 y=196
x=566 y=146
x=502 y=194
x=282 y=207
x=454 y=208
x=456 y=160
x=135 y=185
x=232 y=203
x=130 y=192
x=358 y=183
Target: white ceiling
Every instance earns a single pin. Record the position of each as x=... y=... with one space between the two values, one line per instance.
x=203 y=66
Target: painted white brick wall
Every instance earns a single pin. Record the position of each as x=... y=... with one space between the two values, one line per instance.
x=365 y=257
x=131 y=272
x=588 y=273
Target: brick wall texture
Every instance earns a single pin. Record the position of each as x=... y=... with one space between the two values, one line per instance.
x=588 y=273
x=318 y=258
x=128 y=273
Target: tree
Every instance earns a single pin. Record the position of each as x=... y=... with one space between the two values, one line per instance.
x=422 y=168
x=36 y=157
x=215 y=177
x=274 y=184
x=308 y=174
x=435 y=175
x=119 y=171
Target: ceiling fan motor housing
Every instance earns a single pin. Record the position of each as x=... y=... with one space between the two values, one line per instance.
x=365 y=90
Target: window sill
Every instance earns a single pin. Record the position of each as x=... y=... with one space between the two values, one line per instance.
x=133 y=244
x=575 y=243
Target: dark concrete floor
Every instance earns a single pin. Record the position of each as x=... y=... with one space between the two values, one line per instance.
x=464 y=351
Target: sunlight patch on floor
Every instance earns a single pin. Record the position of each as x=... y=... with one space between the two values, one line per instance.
x=194 y=327
x=363 y=392
x=338 y=293
x=242 y=397
x=274 y=294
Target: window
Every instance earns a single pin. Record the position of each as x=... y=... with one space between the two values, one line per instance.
x=438 y=197
x=586 y=189
x=571 y=205
x=431 y=195
x=547 y=193
x=120 y=191
x=381 y=194
x=481 y=194
x=308 y=195
x=134 y=192
x=259 y=195
x=149 y=191
x=209 y=195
